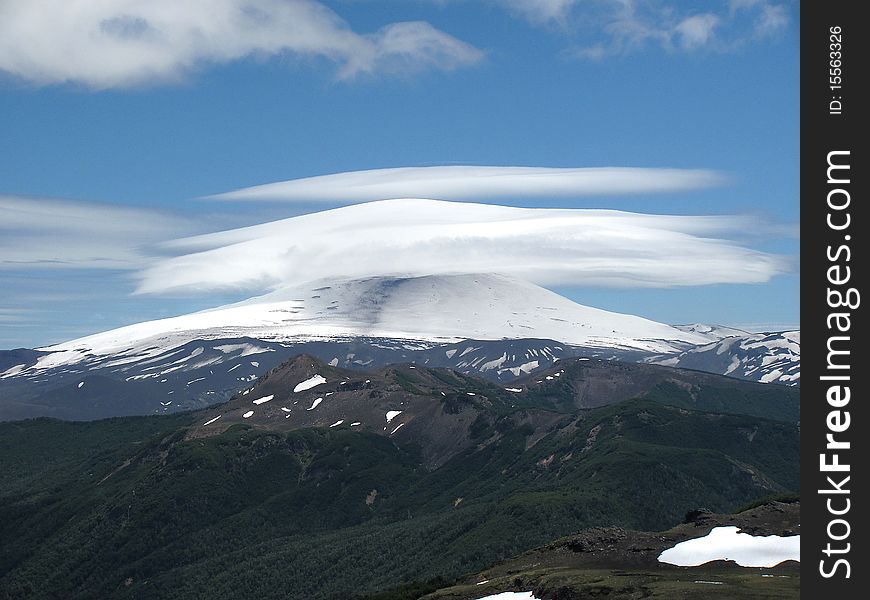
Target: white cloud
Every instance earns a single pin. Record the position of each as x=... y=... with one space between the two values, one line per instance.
x=697 y=30
x=423 y=237
x=622 y=26
x=45 y=233
x=122 y=43
x=540 y=11
x=476 y=182
x=410 y=46
x=772 y=20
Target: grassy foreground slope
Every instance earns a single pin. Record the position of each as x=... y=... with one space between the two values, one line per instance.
x=621 y=564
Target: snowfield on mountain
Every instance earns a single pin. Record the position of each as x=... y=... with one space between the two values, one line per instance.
x=443 y=309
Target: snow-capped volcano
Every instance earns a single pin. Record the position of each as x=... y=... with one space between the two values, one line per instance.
x=493 y=326
x=434 y=309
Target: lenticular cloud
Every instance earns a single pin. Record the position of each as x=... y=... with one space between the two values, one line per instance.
x=470 y=182
x=428 y=237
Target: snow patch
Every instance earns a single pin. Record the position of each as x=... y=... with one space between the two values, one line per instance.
x=245 y=349
x=494 y=364
x=735 y=363
x=309 y=383
x=524 y=368
x=771 y=376
x=393 y=414
x=248 y=414
x=12 y=371
x=210 y=421
x=726 y=543
x=264 y=399
x=315 y=404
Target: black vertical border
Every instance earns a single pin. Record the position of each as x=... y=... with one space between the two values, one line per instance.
x=823 y=132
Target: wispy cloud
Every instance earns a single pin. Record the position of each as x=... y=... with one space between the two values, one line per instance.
x=540 y=11
x=606 y=27
x=422 y=237
x=15 y=315
x=57 y=234
x=476 y=182
x=126 y=43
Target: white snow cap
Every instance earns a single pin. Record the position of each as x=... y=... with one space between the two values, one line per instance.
x=436 y=308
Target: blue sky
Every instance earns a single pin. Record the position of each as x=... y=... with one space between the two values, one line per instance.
x=135 y=145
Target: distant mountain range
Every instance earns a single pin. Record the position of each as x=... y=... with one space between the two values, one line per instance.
x=488 y=325
x=326 y=483
x=764 y=357
x=439 y=408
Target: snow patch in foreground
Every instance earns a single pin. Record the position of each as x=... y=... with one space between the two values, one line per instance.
x=264 y=399
x=511 y=596
x=392 y=414
x=726 y=543
x=309 y=383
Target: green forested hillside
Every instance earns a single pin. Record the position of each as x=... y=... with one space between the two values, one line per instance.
x=138 y=508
